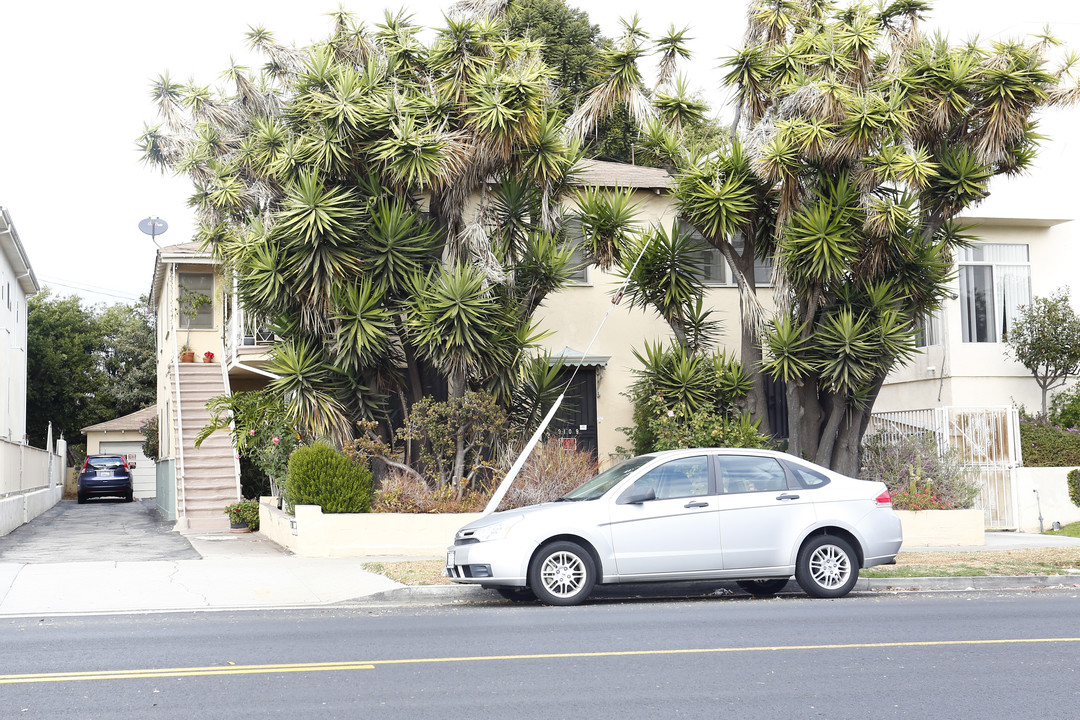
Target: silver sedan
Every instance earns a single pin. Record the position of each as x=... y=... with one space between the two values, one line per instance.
x=753 y=516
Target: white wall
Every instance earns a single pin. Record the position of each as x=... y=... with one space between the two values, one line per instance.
x=976 y=374
x=1051 y=498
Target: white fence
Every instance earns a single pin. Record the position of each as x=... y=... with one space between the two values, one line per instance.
x=31 y=482
x=988 y=441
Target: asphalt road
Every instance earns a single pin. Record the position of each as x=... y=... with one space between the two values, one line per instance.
x=967 y=655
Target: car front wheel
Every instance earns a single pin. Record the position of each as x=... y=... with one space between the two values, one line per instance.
x=563 y=573
x=827 y=567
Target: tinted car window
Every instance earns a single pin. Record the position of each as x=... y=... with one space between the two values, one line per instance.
x=104 y=463
x=592 y=489
x=741 y=473
x=685 y=477
x=808 y=478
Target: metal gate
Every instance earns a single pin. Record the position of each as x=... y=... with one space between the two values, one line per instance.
x=988 y=441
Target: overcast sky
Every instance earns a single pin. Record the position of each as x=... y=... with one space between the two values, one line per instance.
x=75 y=78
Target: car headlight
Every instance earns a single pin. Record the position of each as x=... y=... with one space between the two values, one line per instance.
x=496 y=531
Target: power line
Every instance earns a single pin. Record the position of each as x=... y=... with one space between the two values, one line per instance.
x=88 y=289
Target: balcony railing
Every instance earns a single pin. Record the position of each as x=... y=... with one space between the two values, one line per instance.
x=245 y=329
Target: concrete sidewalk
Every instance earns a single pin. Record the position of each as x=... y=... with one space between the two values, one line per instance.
x=235 y=571
x=243 y=571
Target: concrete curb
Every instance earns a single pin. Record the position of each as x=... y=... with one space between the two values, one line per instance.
x=434 y=595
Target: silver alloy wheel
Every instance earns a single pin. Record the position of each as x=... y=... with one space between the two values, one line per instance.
x=563 y=574
x=830 y=566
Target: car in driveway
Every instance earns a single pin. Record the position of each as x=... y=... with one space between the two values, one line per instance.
x=756 y=517
x=105 y=476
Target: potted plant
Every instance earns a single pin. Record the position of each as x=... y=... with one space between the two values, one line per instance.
x=208 y=357
x=186 y=353
x=243 y=515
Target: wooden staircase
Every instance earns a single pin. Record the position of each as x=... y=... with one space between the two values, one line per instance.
x=209 y=479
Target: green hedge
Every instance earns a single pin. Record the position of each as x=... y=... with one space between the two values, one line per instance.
x=1074 y=487
x=1046 y=445
x=320 y=475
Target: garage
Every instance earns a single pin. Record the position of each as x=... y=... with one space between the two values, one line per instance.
x=143 y=476
x=123 y=436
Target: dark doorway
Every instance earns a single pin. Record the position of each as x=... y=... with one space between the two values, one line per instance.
x=575 y=424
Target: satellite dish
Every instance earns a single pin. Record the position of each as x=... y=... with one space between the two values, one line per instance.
x=153 y=226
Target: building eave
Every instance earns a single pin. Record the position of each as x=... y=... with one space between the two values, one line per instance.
x=16 y=255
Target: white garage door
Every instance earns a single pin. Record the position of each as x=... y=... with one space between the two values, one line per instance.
x=144 y=476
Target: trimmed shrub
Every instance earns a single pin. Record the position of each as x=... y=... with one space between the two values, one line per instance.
x=1074 y=487
x=1046 y=445
x=918 y=477
x=320 y=475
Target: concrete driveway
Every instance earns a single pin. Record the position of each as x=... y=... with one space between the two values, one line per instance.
x=99 y=530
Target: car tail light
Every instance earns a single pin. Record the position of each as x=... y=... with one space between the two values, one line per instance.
x=884 y=499
x=124 y=460
x=85 y=462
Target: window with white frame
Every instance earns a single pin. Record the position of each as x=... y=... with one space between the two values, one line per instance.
x=197 y=300
x=995 y=280
x=575 y=237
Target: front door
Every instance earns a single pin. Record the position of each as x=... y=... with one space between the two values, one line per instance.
x=576 y=424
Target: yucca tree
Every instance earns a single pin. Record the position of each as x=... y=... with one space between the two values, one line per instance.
x=334 y=185
x=856 y=141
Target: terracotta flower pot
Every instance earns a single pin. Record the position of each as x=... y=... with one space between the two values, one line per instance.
x=188 y=356
x=207 y=360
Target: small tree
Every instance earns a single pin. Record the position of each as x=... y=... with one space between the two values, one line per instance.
x=1045 y=338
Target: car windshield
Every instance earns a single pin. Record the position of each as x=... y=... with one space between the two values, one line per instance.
x=592 y=489
x=105 y=463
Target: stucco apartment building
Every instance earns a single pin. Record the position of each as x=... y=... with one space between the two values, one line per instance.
x=962 y=360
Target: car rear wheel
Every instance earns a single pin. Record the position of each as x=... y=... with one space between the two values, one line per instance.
x=130 y=497
x=827 y=567
x=81 y=499
x=763 y=588
x=563 y=573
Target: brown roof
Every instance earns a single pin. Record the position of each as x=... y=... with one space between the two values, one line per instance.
x=614 y=174
x=127 y=422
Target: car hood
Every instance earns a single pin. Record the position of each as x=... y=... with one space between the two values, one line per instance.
x=527 y=512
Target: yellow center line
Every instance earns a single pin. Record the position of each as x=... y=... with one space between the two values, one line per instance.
x=371 y=664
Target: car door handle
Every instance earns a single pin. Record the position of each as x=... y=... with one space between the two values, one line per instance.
x=787 y=496
x=696 y=504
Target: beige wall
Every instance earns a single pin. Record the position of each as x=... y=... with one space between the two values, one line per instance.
x=573 y=315
x=171 y=337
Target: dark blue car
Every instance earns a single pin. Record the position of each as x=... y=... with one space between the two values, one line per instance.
x=105 y=476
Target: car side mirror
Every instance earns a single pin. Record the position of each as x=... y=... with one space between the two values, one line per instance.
x=636 y=497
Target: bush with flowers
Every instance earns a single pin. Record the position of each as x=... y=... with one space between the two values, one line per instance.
x=918 y=476
x=260 y=433
x=245 y=512
x=208 y=356
x=1043 y=444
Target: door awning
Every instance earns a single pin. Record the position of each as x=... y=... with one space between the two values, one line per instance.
x=570 y=356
